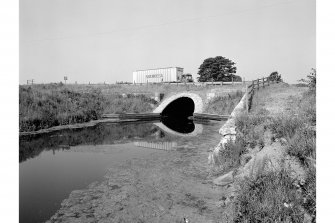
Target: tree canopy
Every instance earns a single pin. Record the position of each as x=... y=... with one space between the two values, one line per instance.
x=275 y=76
x=217 y=69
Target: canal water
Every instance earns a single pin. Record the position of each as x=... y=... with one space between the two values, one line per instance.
x=120 y=172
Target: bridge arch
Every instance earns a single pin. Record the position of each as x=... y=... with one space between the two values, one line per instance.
x=182 y=103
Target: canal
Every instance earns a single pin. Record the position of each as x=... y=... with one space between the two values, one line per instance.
x=120 y=172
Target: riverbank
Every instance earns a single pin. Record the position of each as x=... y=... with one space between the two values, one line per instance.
x=271 y=163
x=52 y=107
x=46 y=106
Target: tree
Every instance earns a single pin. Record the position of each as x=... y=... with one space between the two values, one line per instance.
x=217 y=69
x=311 y=81
x=275 y=76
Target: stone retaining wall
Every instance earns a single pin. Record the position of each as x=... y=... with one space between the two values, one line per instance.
x=228 y=131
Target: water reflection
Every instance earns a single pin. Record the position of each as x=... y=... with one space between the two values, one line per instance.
x=155 y=145
x=32 y=146
x=74 y=158
x=180 y=125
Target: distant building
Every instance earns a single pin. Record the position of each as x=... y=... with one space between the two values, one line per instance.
x=158 y=75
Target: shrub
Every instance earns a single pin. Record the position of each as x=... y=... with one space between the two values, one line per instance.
x=270 y=197
x=311 y=81
x=275 y=76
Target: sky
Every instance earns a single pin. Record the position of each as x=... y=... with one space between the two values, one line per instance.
x=100 y=41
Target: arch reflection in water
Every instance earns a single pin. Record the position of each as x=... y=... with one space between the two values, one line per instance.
x=180 y=127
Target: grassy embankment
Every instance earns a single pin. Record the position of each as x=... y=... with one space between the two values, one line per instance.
x=224 y=105
x=47 y=105
x=284 y=114
x=44 y=106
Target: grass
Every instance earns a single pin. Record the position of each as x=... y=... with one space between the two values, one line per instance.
x=229 y=157
x=224 y=105
x=46 y=106
x=108 y=89
x=252 y=128
x=273 y=195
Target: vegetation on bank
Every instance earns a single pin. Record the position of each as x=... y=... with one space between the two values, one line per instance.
x=224 y=105
x=276 y=195
x=46 y=106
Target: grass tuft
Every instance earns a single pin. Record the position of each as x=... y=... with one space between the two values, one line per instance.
x=270 y=197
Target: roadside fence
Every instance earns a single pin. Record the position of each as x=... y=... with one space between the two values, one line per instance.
x=256 y=85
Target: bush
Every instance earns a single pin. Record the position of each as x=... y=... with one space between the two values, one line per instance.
x=311 y=81
x=271 y=197
x=275 y=76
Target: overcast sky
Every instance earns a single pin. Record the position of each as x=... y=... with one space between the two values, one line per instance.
x=106 y=40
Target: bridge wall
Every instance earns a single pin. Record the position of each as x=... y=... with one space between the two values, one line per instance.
x=198 y=102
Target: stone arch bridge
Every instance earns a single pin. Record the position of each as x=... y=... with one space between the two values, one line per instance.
x=187 y=103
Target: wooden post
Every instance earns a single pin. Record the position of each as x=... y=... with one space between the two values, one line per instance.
x=252 y=86
x=257 y=84
x=263 y=82
x=247 y=99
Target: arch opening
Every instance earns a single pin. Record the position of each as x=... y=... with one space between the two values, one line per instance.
x=182 y=107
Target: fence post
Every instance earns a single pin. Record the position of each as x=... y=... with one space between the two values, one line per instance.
x=263 y=82
x=247 y=99
x=257 y=84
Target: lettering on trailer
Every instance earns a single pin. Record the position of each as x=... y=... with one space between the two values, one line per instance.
x=153 y=75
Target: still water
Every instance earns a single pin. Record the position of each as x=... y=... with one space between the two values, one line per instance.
x=67 y=165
